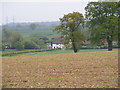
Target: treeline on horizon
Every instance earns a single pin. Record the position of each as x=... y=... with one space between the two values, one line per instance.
x=30 y=36
x=27 y=35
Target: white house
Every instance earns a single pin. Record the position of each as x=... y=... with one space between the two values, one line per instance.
x=57 y=43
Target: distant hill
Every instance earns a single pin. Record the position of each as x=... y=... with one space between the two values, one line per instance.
x=34 y=29
x=39 y=23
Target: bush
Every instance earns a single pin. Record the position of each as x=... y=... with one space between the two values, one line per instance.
x=103 y=47
x=30 y=45
x=40 y=44
x=115 y=46
x=2 y=47
x=19 y=46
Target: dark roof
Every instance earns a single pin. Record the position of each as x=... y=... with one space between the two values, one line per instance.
x=58 y=41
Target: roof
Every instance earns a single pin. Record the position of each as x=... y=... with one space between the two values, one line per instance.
x=85 y=42
x=58 y=41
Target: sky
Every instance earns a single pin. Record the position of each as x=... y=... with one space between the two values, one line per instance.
x=38 y=10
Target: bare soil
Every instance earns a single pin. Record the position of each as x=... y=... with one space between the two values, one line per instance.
x=74 y=70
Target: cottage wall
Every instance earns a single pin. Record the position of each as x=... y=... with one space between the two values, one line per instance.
x=57 y=45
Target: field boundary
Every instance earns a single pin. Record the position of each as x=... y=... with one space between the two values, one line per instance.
x=48 y=51
x=25 y=51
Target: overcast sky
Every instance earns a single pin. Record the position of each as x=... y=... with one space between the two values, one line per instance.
x=38 y=11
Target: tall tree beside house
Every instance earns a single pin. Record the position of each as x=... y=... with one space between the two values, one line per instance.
x=69 y=29
x=103 y=21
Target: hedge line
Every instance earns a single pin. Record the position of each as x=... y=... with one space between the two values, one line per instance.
x=25 y=51
x=98 y=47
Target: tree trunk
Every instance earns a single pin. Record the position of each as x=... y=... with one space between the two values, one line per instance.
x=109 y=45
x=74 y=44
x=74 y=47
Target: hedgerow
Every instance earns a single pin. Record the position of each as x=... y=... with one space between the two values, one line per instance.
x=25 y=51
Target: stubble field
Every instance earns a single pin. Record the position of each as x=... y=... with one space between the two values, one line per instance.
x=73 y=70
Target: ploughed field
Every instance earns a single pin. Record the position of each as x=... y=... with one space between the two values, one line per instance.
x=72 y=70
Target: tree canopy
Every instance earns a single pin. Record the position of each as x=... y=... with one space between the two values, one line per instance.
x=103 y=21
x=69 y=29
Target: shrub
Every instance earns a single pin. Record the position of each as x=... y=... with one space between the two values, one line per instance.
x=30 y=45
x=19 y=46
x=2 y=47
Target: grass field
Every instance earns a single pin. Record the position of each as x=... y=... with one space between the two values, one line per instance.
x=28 y=33
x=67 y=70
x=61 y=52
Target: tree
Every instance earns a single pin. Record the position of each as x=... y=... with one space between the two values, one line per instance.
x=6 y=35
x=30 y=45
x=9 y=38
x=40 y=44
x=103 y=21
x=16 y=37
x=33 y=26
x=2 y=47
x=69 y=29
x=44 y=39
x=18 y=45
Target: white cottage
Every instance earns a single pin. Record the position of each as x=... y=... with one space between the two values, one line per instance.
x=57 y=43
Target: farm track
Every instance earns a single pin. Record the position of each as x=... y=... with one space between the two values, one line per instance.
x=73 y=70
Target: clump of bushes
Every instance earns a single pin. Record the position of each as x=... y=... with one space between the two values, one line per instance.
x=19 y=46
x=16 y=41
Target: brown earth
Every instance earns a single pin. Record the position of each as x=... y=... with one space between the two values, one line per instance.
x=75 y=70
